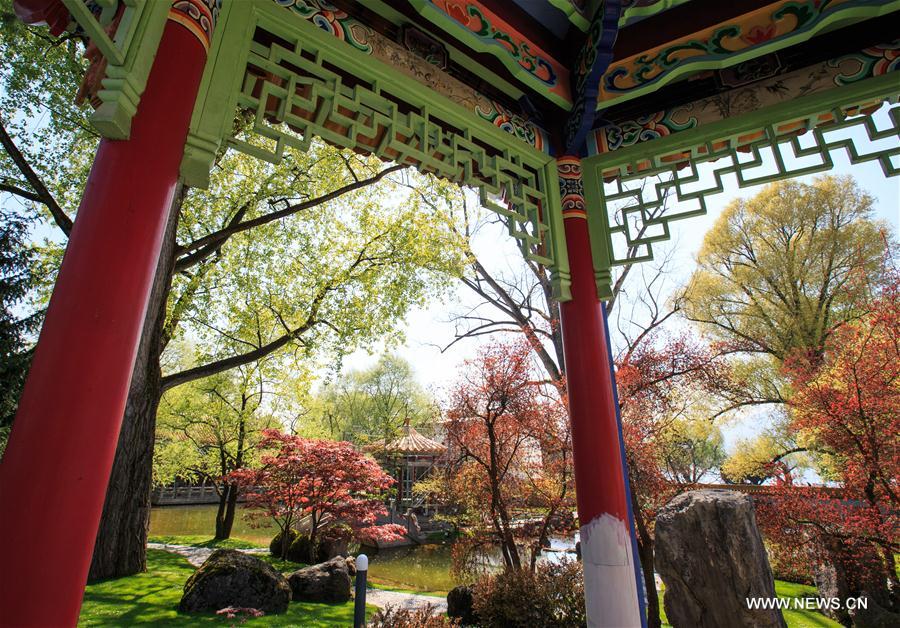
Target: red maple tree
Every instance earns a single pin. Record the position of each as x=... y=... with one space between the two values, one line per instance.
x=653 y=374
x=328 y=481
x=846 y=403
x=510 y=452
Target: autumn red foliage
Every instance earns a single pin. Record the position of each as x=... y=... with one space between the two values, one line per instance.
x=510 y=452
x=653 y=376
x=846 y=403
x=328 y=481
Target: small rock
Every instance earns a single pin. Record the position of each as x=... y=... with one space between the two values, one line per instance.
x=331 y=548
x=325 y=582
x=232 y=578
x=710 y=555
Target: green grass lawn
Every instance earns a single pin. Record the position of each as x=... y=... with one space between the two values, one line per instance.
x=802 y=619
x=152 y=599
x=794 y=619
x=283 y=566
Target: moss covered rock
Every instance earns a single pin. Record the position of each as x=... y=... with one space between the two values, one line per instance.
x=233 y=578
x=275 y=544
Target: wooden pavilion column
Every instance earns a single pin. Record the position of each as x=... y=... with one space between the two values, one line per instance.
x=56 y=467
x=610 y=582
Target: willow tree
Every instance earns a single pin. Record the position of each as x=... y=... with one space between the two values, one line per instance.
x=782 y=270
x=779 y=273
x=374 y=403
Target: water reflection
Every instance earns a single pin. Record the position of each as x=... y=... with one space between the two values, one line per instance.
x=201 y=521
x=417 y=568
x=428 y=567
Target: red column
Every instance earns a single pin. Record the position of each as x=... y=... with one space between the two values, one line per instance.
x=606 y=549
x=54 y=474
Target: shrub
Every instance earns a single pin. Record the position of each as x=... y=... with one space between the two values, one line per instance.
x=275 y=544
x=426 y=617
x=459 y=605
x=552 y=596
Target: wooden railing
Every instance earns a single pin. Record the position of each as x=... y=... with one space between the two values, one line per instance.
x=184 y=495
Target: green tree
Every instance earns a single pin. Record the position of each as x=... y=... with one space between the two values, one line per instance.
x=692 y=449
x=779 y=273
x=209 y=428
x=17 y=321
x=775 y=453
x=374 y=403
x=47 y=141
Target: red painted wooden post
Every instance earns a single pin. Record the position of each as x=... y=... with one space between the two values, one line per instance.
x=54 y=474
x=606 y=548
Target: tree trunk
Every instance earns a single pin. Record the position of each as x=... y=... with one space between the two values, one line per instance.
x=121 y=545
x=225 y=515
x=508 y=541
x=220 y=513
x=285 y=539
x=645 y=555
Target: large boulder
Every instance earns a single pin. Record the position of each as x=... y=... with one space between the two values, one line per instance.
x=831 y=583
x=301 y=550
x=335 y=541
x=325 y=582
x=711 y=558
x=460 y=605
x=233 y=578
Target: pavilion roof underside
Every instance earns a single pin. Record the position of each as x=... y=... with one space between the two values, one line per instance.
x=529 y=54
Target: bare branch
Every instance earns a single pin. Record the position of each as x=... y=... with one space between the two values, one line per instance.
x=41 y=192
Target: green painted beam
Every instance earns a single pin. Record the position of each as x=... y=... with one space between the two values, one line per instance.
x=623 y=206
x=293 y=94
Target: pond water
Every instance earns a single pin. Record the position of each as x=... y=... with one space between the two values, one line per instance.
x=417 y=568
x=201 y=521
x=427 y=567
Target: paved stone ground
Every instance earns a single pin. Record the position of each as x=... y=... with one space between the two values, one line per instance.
x=376 y=597
x=409 y=601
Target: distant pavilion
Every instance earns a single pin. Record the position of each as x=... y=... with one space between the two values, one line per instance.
x=409 y=458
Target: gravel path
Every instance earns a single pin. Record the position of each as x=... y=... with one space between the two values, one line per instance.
x=376 y=597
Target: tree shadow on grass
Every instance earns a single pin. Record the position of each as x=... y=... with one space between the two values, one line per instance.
x=152 y=599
